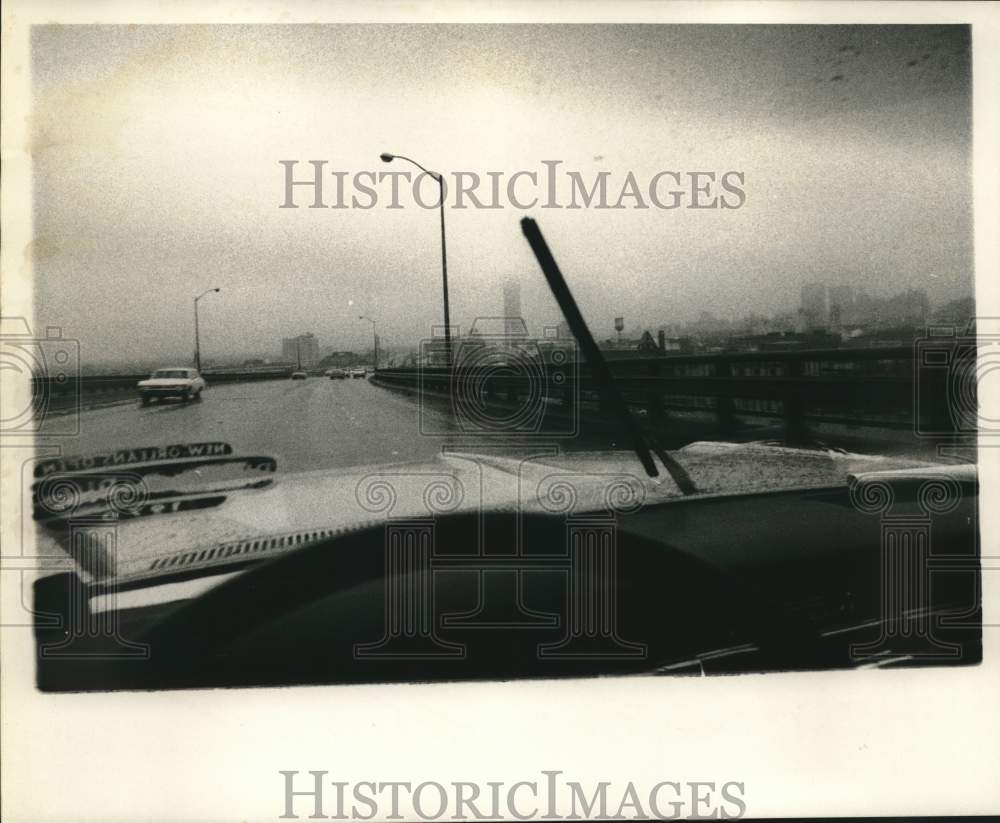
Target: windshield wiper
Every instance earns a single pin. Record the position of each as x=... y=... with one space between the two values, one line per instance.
x=598 y=365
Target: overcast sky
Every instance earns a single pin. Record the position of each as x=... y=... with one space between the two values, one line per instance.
x=156 y=156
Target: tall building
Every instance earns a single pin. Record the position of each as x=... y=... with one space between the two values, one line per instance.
x=842 y=296
x=836 y=317
x=814 y=304
x=304 y=349
x=513 y=323
x=911 y=307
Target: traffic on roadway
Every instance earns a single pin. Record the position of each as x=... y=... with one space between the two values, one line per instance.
x=321 y=530
x=315 y=423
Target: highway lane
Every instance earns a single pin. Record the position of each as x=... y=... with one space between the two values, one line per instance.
x=308 y=424
x=311 y=424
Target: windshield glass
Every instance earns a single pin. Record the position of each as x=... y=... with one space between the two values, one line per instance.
x=673 y=246
x=686 y=313
x=693 y=294
x=709 y=272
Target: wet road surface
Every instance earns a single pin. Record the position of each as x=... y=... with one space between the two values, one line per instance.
x=305 y=424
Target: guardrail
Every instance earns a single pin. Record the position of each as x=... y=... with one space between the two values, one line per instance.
x=57 y=391
x=881 y=387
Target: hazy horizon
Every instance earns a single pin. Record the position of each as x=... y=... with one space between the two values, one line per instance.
x=156 y=169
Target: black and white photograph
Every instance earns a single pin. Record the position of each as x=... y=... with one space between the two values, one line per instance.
x=400 y=357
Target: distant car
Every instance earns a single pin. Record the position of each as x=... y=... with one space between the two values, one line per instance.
x=357 y=371
x=184 y=383
x=336 y=374
x=299 y=375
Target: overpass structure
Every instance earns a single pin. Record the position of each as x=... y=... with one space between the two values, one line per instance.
x=899 y=388
x=916 y=390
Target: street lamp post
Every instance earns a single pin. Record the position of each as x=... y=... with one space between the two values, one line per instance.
x=374 y=337
x=197 y=341
x=388 y=158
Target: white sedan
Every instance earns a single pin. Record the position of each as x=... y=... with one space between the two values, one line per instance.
x=184 y=383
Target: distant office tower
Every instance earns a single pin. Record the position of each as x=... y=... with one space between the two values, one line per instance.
x=841 y=300
x=842 y=296
x=814 y=303
x=513 y=324
x=303 y=349
x=911 y=306
x=836 y=317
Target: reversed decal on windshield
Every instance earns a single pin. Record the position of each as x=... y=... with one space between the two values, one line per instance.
x=128 y=457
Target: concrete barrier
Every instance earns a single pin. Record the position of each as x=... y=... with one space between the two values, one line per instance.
x=886 y=388
x=64 y=392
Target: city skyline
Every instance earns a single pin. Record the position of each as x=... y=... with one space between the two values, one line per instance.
x=706 y=325
x=840 y=131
